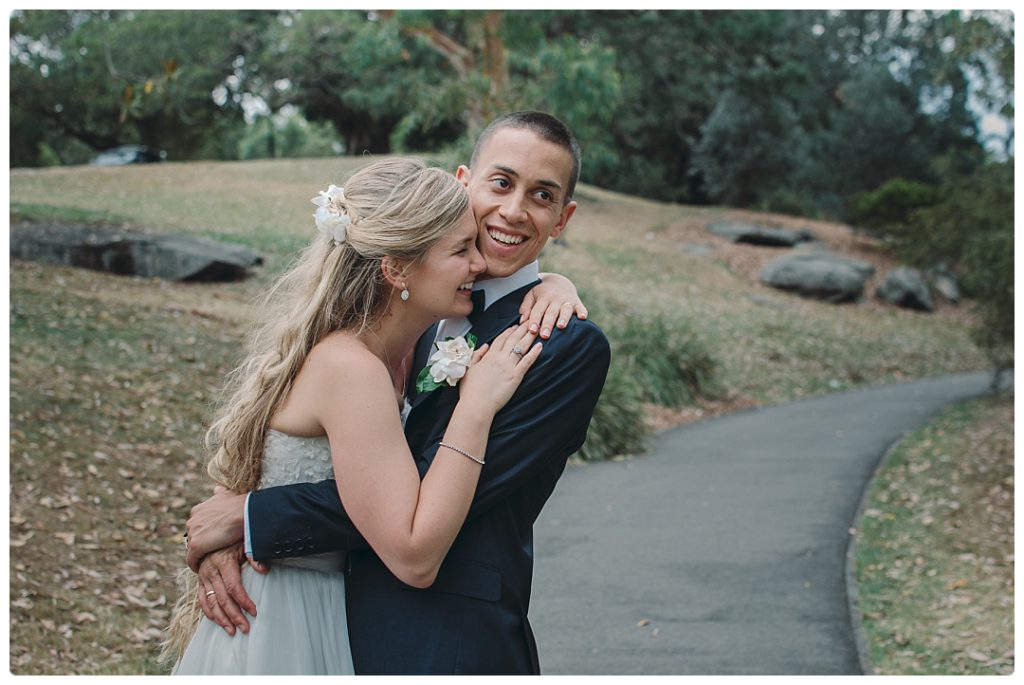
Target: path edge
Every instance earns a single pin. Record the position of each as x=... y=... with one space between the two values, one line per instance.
x=852 y=591
x=860 y=637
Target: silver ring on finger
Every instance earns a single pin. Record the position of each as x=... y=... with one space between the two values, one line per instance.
x=211 y=592
x=518 y=350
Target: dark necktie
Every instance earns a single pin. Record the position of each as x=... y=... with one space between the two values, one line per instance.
x=477 y=296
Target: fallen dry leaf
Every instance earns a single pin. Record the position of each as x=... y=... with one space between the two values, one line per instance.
x=20 y=541
x=66 y=538
x=145 y=635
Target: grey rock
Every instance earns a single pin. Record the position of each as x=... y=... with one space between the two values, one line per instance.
x=820 y=275
x=905 y=287
x=129 y=253
x=945 y=283
x=755 y=235
x=819 y=252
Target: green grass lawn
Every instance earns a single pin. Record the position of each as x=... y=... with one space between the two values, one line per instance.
x=112 y=378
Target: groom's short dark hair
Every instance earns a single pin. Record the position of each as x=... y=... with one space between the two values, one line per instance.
x=548 y=128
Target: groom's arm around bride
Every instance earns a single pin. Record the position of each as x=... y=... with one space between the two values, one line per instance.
x=476 y=608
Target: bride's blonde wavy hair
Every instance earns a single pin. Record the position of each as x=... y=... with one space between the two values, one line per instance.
x=399 y=208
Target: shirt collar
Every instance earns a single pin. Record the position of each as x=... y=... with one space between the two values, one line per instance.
x=497 y=288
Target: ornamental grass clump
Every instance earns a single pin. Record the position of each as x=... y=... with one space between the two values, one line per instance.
x=617 y=426
x=671 y=365
x=653 y=361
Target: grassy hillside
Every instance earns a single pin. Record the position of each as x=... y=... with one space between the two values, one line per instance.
x=112 y=378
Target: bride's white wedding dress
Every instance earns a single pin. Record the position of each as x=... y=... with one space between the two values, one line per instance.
x=300 y=627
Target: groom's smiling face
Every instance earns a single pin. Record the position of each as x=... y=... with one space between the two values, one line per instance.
x=517 y=189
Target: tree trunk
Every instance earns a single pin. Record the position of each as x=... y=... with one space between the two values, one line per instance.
x=495 y=64
x=486 y=55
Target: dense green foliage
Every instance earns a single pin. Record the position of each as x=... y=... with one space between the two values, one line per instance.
x=799 y=110
x=86 y=81
x=617 y=426
x=889 y=205
x=839 y=114
x=965 y=222
x=671 y=365
x=971 y=226
x=655 y=360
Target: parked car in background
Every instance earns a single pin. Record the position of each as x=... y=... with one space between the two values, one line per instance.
x=128 y=154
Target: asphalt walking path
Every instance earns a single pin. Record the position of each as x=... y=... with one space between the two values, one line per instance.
x=723 y=550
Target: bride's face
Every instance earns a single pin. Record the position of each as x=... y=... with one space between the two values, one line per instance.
x=442 y=282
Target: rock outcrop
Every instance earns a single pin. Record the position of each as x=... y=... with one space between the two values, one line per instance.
x=129 y=253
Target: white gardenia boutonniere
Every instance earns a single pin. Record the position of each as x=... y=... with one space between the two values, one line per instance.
x=447 y=364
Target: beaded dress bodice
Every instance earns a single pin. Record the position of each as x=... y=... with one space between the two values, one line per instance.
x=291 y=459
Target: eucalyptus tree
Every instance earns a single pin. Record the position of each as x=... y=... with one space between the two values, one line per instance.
x=498 y=61
x=105 y=78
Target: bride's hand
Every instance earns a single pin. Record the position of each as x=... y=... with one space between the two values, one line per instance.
x=550 y=304
x=496 y=370
x=221 y=593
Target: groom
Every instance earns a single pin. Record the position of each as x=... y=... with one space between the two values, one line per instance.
x=473 y=619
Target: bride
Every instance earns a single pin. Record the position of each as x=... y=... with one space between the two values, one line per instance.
x=320 y=395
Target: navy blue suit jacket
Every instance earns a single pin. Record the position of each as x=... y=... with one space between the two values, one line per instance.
x=473 y=619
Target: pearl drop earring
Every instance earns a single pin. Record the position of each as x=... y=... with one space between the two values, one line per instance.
x=405 y=293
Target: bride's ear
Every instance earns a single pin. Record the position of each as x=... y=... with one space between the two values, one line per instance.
x=396 y=272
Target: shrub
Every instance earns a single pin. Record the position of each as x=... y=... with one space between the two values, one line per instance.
x=653 y=360
x=967 y=222
x=989 y=258
x=671 y=365
x=971 y=228
x=617 y=426
x=890 y=205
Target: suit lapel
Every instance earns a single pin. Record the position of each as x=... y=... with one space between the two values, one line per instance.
x=500 y=315
x=419 y=360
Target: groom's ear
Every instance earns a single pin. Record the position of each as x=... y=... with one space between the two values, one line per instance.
x=563 y=218
x=462 y=174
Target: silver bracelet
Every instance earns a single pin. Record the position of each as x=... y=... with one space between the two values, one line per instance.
x=462 y=452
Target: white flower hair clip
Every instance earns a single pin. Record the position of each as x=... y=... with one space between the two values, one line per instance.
x=331 y=218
